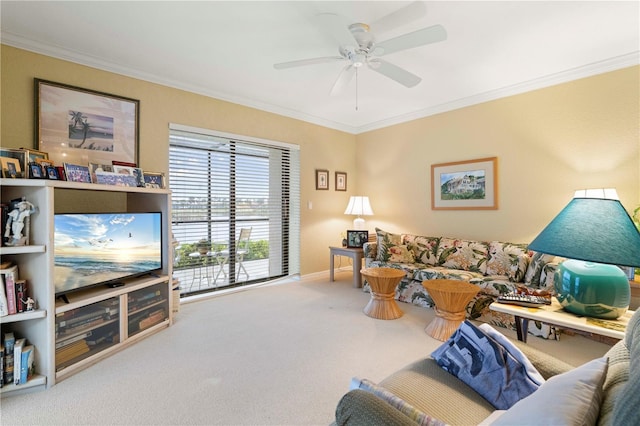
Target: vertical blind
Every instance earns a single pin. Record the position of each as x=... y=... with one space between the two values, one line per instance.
x=223 y=183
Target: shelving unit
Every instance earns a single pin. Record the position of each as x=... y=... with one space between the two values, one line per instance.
x=127 y=317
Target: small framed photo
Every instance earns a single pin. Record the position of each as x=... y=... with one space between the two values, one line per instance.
x=52 y=173
x=131 y=171
x=154 y=180
x=116 y=179
x=18 y=154
x=98 y=168
x=61 y=173
x=11 y=167
x=322 y=179
x=33 y=156
x=341 y=181
x=35 y=171
x=356 y=239
x=77 y=173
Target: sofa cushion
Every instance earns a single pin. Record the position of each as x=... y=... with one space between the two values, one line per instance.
x=486 y=366
x=361 y=408
x=511 y=260
x=432 y=390
x=533 y=277
x=572 y=398
x=425 y=249
x=463 y=254
x=396 y=402
x=385 y=240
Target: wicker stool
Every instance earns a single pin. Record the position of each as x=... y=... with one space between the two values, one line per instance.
x=451 y=298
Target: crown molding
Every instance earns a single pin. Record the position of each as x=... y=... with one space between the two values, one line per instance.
x=58 y=52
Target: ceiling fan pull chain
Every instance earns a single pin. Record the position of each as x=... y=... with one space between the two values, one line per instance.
x=357 y=88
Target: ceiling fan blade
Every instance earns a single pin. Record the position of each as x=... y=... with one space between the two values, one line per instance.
x=311 y=61
x=417 y=38
x=394 y=72
x=337 y=27
x=402 y=16
x=343 y=80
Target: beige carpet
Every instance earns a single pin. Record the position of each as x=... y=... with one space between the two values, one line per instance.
x=280 y=354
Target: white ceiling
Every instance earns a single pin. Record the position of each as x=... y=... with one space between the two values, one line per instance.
x=227 y=50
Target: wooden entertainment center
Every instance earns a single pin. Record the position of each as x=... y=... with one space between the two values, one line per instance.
x=115 y=317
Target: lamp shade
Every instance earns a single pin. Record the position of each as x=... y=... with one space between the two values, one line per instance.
x=359 y=205
x=592 y=229
x=595 y=233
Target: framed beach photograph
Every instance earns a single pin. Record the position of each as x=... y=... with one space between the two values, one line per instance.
x=82 y=126
x=465 y=185
x=356 y=239
x=341 y=181
x=322 y=179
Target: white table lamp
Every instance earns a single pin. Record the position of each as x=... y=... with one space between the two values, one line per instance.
x=359 y=205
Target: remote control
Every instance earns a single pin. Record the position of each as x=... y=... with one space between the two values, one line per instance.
x=528 y=300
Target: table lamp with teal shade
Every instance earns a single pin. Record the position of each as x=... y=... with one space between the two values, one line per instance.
x=596 y=235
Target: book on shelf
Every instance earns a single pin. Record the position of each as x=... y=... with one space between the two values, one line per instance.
x=4 y=307
x=27 y=367
x=9 y=342
x=9 y=276
x=71 y=351
x=1 y=365
x=21 y=295
x=17 y=359
x=153 y=318
x=70 y=340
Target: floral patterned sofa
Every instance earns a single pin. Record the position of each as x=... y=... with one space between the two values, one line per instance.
x=496 y=267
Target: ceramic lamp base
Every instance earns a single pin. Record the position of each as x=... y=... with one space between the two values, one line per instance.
x=592 y=289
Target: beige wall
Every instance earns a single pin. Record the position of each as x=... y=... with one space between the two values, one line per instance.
x=549 y=142
x=320 y=147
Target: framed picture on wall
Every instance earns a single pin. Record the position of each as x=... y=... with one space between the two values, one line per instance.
x=82 y=126
x=341 y=181
x=465 y=185
x=322 y=179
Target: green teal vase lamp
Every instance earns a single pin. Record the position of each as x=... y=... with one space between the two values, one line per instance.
x=596 y=235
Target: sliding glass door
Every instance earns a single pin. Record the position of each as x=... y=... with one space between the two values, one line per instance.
x=221 y=186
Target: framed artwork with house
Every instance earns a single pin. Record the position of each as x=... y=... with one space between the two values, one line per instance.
x=465 y=185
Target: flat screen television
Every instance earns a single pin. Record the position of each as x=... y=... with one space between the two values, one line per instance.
x=93 y=249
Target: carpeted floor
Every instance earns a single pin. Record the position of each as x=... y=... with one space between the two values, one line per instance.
x=280 y=354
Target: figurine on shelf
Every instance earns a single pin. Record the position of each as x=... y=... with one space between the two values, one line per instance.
x=29 y=303
x=18 y=220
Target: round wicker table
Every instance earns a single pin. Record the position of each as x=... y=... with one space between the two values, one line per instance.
x=451 y=298
x=383 y=282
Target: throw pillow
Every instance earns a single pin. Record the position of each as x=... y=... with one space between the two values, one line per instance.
x=463 y=254
x=384 y=241
x=536 y=265
x=530 y=369
x=485 y=365
x=398 y=254
x=506 y=259
x=398 y=403
x=425 y=249
x=571 y=398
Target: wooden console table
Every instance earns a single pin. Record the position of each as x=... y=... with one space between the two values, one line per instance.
x=554 y=314
x=356 y=255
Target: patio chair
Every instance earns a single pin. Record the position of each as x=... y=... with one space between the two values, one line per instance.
x=242 y=249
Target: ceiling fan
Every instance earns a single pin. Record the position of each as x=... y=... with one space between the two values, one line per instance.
x=357 y=45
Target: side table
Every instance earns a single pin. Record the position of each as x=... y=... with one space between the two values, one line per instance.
x=554 y=314
x=451 y=298
x=356 y=255
x=383 y=282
